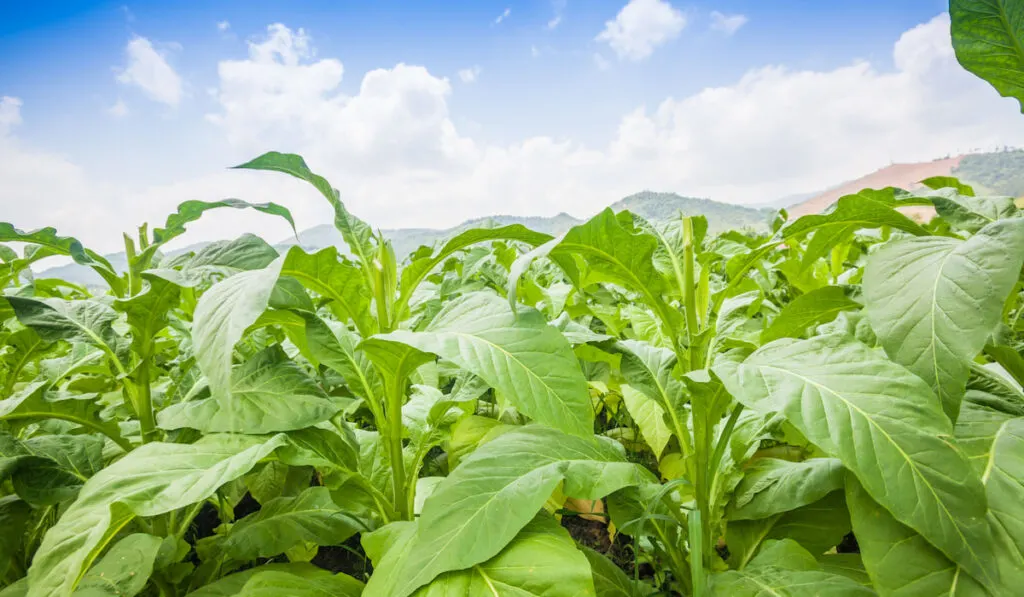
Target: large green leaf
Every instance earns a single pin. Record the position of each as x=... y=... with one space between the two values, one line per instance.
x=221 y=317
x=285 y=522
x=542 y=561
x=275 y=583
x=900 y=561
x=153 y=479
x=356 y=232
x=35 y=402
x=886 y=427
x=336 y=349
x=987 y=38
x=124 y=570
x=772 y=486
x=818 y=527
x=335 y=279
x=190 y=211
x=1004 y=484
x=610 y=580
x=49 y=469
x=525 y=359
x=51 y=244
x=147 y=311
x=55 y=319
x=269 y=393
x=971 y=213
x=868 y=208
x=934 y=301
x=784 y=569
x=14 y=516
x=478 y=509
x=649 y=417
x=811 y=309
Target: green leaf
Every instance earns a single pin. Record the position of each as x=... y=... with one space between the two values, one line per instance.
x=221 y=317
x=484 y=503
x=818 y=527
x=357 y=233
x=523 y=358
x=282 y=523
x=845 y=564
x=64 y=245
x=269 y=393
x=55 y=319
x=868 y=208
x=322 y=584
x=1004 y=484
x=124 y=570
x=33 y=402
x=987 y=40
x=970 y=213
x=147 y=311
x=336 y=349
x=335 y=279
x=230 y=585
x=49 y=469
x=807 y=310
x=934 y=301
x=886 y=427
x=610 y=580
x=900 y=561
x=220 y=259
x=153 y=479
x=784 y=569
x=772 y=486
x=14 y=515
x=948 y=182
x=542 y=561
x=190 y=211
x=649 y=417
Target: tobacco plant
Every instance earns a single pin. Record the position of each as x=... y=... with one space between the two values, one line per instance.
x=831 y=408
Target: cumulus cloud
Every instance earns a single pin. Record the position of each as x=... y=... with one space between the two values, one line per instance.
x=727 y=24
x=469 y=75
x=640 y=27
x=149 y=70
x=400 y=161
x=503 y=16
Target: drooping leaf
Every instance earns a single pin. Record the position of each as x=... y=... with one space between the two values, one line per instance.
x=494 y=493
x=52 y=244
x=818 y=527
x=971 y=213
x=54 y=319
x=33 y=403
x=610 y=580
x=934 y=301
x=190 y=211
x=337 y=350
x=285 y=522
x=335 y=279
x=522 y=357
x=987 y=40
x=886 y=427
x=153 y=479
x=49 y=469
x=147 y=311
x=232 y=584
x=649 y=417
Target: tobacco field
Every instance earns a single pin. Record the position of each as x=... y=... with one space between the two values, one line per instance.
x=832 y=407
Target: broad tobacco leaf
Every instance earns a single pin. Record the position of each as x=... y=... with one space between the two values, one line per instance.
x=887 y=428
x=478 y=509
x=269 y=393
x=772 y=486
x=153 y=479
x=784 y=569
x=934 y=301
x=986 y=38
x=541 y=560
x=522 y=357
x=124 y=570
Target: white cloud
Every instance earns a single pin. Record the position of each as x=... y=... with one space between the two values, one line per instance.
x=119 y=109
x=400 y=161
x=727 y=24
x=469 y=75
x=558 y=7
x=223 y=26
x=503 y=16
x=10 y=114
x=641 y=26
x=148 y=69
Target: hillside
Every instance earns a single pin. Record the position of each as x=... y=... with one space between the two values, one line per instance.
x=653 y=206
x=992 y=173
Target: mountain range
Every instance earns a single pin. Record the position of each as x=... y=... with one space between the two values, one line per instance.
x=992 y=173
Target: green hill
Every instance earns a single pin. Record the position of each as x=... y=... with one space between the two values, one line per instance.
x=997 y=173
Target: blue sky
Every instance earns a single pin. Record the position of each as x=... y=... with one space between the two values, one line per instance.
x=428 y=113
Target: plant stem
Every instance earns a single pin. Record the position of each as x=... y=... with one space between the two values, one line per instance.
x=144 y=402
x=690 y=294
x=394 y=415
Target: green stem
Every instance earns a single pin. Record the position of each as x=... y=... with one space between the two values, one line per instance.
x=394 y=414
x=144 y=402
x=689 y=294
x=698 y=554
